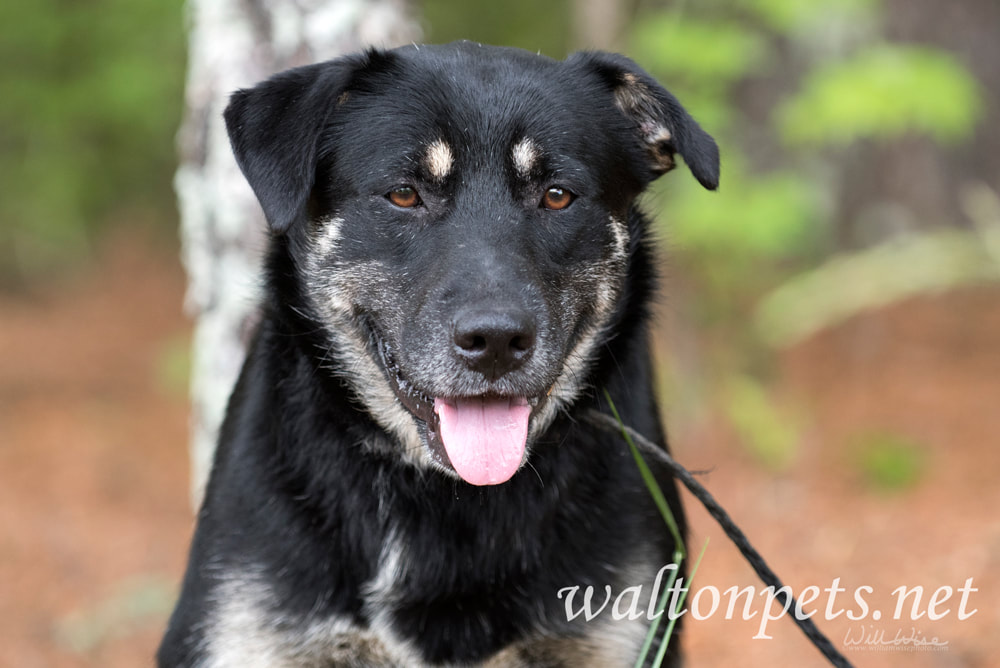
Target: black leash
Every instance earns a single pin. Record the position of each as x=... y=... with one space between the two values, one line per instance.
x=734 y=533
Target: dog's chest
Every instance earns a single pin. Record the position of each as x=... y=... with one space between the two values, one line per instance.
x=250 y=628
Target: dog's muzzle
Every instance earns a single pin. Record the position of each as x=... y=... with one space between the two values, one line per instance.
x=483 y=438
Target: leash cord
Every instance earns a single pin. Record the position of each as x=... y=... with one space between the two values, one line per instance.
x=735 y=534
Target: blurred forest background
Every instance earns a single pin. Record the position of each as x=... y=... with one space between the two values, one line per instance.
x=830 y=343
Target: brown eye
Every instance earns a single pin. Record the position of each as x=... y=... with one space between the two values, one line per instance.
x=556 y=199
x=404 y=197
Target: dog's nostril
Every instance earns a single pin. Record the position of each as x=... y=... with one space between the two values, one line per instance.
x=470 y=341
x=520 y=343
x=494 y=341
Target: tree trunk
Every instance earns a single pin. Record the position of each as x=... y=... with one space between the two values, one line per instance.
x=600 y=24
x=234 y=44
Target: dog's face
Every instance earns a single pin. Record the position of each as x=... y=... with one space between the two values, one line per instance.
x=458 y=221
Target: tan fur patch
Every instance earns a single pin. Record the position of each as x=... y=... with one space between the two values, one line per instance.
x=619 y=229
x=634 y=99
x=245 y=631
x=525 y=155
x=660 y=134
x=332 y=288
x=604 y=643
x=604 y=280
x=439 y=160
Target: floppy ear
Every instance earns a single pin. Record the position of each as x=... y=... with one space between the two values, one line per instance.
x=274 y=129
x=663 y=126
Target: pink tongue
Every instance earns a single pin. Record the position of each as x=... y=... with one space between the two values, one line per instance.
x=484 y=438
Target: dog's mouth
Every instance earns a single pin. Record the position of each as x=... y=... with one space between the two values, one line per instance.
x=482 y=438
x=485 y=438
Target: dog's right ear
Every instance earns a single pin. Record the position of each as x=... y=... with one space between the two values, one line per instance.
x=275 y=127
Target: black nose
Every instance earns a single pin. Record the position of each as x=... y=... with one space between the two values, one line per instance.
x=494 y=341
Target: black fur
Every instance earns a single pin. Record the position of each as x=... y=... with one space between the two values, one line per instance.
x=307 y=484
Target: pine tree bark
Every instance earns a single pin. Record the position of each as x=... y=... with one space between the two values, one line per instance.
x=234 y=44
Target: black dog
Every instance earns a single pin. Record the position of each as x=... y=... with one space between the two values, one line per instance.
x=457 y=269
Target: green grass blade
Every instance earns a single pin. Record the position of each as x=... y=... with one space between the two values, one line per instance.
x=660 y=607
x=680 y=551
x=650 y=481
x=680 y=606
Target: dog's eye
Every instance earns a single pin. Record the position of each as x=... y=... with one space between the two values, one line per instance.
x=404 y=197
x=556 y=198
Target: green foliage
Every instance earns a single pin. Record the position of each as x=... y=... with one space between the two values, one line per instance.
x=693 y=49
x=791 y=16
x=767 y=431
x=890 y=462
x=701 y=60
x=172 y=372
x=765 y=225
x=880 y=93
x=137 y=604
x=92 y=96
x=764 y=217
x=850 y=283
x=535 y=26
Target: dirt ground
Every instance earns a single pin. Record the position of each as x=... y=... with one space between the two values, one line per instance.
x=94 y=505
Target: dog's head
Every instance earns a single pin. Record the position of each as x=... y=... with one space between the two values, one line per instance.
x=459 y=220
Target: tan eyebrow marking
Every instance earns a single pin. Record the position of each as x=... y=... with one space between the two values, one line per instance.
x=525 y=155
x=439 y=160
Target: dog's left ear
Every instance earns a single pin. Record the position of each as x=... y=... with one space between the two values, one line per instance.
x=275 y=127
x=664 y=127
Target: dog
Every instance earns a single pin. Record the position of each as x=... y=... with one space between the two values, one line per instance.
x=457 y=270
